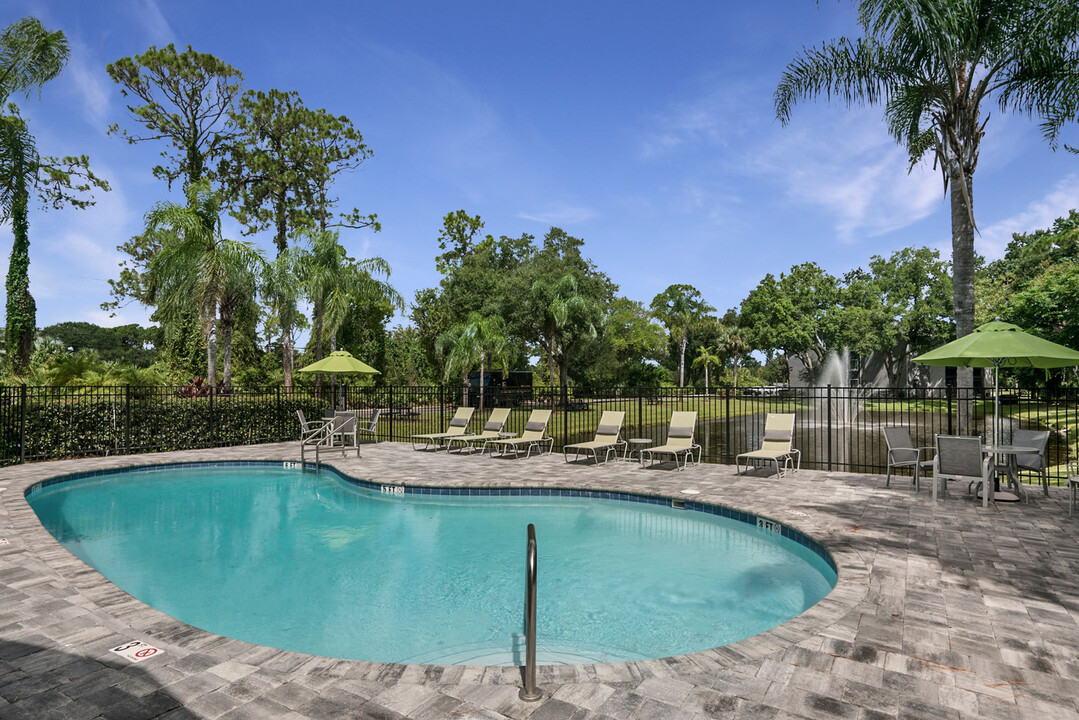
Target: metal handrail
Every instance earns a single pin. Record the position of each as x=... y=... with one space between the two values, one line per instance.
x=530 y=692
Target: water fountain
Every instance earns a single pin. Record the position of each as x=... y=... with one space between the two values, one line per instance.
x=841 y=407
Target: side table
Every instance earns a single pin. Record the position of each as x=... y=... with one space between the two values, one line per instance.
x=637 y=445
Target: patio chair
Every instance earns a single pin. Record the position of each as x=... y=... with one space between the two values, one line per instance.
x=307 y=426
x=345 y=425
x=903 y=453
x=961 y=458
x=457 y=426
x=1035 y=461
x=777 y=444
x=608 y=438
x=679 y=440
x=492 y=430
x=371 y=429
x=534 y=435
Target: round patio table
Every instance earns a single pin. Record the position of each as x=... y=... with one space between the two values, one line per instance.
x=1012 y=466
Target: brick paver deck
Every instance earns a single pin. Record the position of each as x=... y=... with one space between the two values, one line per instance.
x=942 y=610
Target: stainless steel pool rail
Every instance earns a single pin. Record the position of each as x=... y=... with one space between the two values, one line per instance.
x=530 y=692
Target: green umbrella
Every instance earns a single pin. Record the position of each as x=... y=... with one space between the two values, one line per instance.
x=999 y=344
x=340 y=362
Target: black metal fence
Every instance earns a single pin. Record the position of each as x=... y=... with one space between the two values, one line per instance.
x=837 y=428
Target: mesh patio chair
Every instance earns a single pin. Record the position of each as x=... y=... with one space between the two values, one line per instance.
x=903 y=453
x=961 y=458
x=1036 y=461
x=371 y=429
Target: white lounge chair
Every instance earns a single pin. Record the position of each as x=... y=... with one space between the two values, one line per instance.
x=608 y=438
x=534 y=435
x=492 y=430
x=458 y=426
x=679 y=440
x=776 y=445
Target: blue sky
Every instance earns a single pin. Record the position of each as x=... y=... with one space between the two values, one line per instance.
x=647 y=129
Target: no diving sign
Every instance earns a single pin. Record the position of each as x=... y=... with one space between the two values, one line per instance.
x=137 y=651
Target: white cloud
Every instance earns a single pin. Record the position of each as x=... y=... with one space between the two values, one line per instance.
x=854 y=171
x=153 y=22
x=559 y=215
x=1039 y=214
x=86 y=74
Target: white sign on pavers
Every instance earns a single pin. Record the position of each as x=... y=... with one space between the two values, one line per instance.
x=137 y=651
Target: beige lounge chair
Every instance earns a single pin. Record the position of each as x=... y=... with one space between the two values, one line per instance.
x=679 y=440
x=608 y=438
x=778 y=444
x=492 y=430
x=534 y=435
x=458 y=426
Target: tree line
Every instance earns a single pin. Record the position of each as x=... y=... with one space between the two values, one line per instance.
x=271 y=162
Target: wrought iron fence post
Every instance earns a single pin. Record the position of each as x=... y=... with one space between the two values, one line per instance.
x=640 y=411
x=829 y=416
x=948 y=392
x=127 y=419
x=727 y=425
x=212 y=443
x=22 y=424
x=389 y=409
x=278 y=420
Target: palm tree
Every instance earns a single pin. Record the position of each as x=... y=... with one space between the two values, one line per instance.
x=332 y=280
x=281 y=288
x=196 y=264
x=30 y=56
x=680 y=308
x=707 y=357
x=478 y=340
x=732 y=343
x=567 y=318
x=934 y=64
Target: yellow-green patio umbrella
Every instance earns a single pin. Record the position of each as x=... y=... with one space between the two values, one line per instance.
x=999 y=344
x=340 y=362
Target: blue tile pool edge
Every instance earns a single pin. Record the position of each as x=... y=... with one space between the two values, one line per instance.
x=397 y=488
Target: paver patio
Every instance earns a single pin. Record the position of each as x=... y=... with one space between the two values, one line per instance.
x=942 y=611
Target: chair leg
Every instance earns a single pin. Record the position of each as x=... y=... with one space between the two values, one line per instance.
x=888 y=478
x=915 y=481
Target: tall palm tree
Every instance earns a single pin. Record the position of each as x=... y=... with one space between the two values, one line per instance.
x=332 y=280
x=733 y=344
x=30 y=56
x=707 y=357
x=934 y=65
x=196 y=264
x=479 y=340
x=567 y=317
x=281 y=289
x=681 y=308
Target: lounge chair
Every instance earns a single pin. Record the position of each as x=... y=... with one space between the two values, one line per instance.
x=903 y=453
x=608 y=438
x=458 y=426
x=679 y=440
x=777 y=444
x=961 y=458
x=492 y=430
x=534 y=435
x=371 y=430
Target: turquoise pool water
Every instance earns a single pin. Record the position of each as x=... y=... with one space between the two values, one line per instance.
x=316 y=564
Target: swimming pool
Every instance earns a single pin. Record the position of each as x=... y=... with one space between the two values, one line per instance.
x=324 y=565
